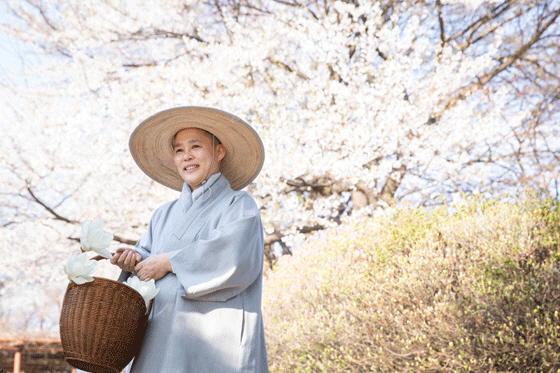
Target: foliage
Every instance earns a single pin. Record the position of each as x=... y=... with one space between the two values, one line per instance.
x=471 y=288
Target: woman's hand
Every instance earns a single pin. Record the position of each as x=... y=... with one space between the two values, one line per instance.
x=154 y=267
x=126 y=259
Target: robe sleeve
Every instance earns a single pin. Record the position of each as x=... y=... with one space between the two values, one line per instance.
x=144 y=244
x=224 y=263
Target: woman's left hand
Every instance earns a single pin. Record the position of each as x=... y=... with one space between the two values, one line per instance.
x=154 y=267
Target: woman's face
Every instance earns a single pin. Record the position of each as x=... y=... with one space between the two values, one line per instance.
x=192 y=150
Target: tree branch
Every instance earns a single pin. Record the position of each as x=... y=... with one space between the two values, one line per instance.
x=507 y=62
x=123 y=240
x=57 y=216
x=494 y=13
x=520 y=52
x=288 y=68
x=441 y=25
x=49 y=209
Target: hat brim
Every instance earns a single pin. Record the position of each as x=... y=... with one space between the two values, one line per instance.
x=151 y=144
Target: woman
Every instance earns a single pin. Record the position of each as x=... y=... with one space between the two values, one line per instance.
x=205 y=249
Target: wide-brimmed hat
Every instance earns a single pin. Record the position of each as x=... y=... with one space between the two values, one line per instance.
x=151 y=148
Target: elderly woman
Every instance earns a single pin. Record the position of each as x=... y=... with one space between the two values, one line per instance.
x=205 y=249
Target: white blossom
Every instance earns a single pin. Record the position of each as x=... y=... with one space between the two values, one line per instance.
x=94 y=238
x=79 y=268
x=147 y=289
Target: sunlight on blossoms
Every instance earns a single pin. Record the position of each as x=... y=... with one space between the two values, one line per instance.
x=376 y=99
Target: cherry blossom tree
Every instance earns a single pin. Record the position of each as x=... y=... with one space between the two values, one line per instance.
x=360 y=104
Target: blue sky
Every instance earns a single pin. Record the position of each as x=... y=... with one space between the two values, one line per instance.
x=10 y=48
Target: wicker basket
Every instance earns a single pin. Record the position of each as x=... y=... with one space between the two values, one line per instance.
x=102 y=324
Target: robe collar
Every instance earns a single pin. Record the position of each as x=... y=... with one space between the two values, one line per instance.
x=197 y=212
x=188 y=197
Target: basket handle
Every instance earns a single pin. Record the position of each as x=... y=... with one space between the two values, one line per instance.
x=126 y=276
x=99 y=257
x=150 y=307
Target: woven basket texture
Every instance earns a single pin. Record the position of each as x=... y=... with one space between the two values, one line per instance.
x=102 y=324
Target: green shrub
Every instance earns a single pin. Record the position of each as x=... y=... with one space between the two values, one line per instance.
x=475 y=290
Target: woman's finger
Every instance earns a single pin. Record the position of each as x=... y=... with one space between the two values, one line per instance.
x=114 y=259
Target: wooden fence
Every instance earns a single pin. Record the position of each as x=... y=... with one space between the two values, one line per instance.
x=32 y=356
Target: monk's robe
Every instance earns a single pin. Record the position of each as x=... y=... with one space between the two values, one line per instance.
x=207 y=315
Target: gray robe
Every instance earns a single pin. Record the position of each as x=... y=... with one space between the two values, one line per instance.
x=207 y=315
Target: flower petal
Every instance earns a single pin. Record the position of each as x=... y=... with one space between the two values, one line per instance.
x=85 y=227
x=96 y=225
x=79 y=268
x=82 y=279
x=84 y=243
x=103 y=252
x=94 y=237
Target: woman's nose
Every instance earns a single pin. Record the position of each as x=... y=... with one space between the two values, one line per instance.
x=187 y=155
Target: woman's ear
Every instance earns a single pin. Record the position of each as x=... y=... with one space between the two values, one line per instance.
x=221 y=151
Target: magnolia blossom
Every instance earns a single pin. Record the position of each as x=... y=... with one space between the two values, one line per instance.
x=147 y=289
x=79 y=268
x=94 y=238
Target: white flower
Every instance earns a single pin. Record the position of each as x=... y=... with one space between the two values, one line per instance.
x=147 y=289
x=94 y=238
x=79 y=268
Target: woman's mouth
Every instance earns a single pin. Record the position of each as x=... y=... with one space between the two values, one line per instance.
x=190 y=168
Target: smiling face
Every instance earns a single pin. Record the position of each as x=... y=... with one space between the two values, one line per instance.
x=192 y=148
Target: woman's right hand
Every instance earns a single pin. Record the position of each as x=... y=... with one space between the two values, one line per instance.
x=126 y=259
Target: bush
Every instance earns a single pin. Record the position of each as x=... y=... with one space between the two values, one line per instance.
x=475 y=290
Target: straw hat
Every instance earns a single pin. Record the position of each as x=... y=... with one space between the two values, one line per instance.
x=150 y=144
